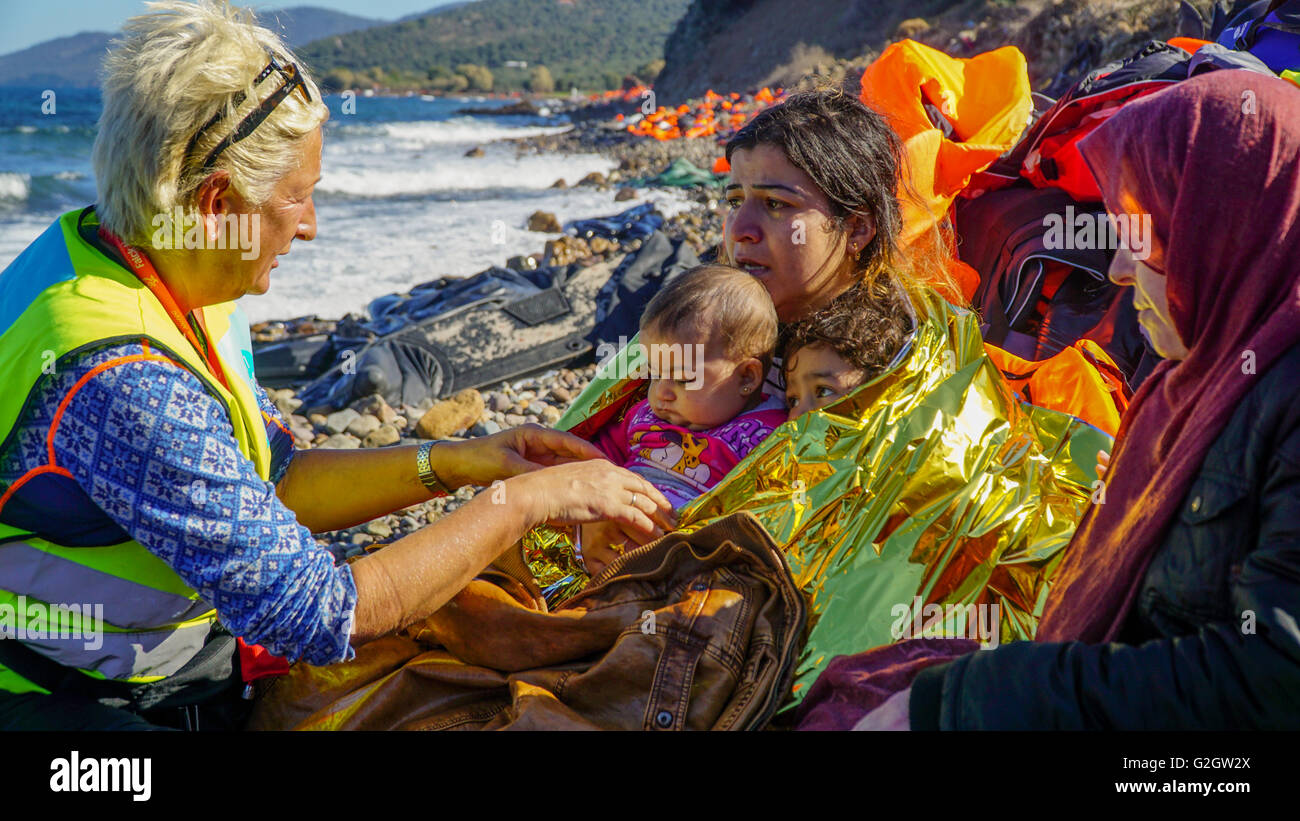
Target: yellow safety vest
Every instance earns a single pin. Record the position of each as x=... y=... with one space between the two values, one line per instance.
x=63 y=295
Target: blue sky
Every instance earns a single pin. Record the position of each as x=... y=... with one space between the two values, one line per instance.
x=25 y=23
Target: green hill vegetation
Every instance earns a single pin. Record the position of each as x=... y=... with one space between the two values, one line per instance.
x=504 y=45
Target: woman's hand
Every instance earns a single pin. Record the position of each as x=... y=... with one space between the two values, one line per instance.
x=891 y=715
x=486 y=459
x=595 y=490
x=603 y=542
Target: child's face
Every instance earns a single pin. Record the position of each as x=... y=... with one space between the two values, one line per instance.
x=695 y=394
x=816 y=376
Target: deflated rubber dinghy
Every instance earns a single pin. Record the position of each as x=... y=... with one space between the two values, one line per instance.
x=498 y=325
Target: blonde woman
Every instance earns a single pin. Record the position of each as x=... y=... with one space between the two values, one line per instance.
x=151 y=506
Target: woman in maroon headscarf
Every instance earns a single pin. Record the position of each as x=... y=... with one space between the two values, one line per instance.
x=1178 y=604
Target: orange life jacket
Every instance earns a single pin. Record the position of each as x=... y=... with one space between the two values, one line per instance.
x=1081 y=380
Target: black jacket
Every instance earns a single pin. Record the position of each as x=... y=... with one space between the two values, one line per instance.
x=1213 y=641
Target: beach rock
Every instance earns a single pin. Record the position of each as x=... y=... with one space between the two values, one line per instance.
x=379 y=529
x=320 y=439
x=565 y=250
x=560 y=183
x=561 y=394
x=340 y=441
x=382 y=437
x=363 y=426
x=594 y=178
x=485 y=428
x=451 y=415
x=338 y=421
x=514 y=420
x=522 y=263
x=551 y=415
x=476 y=151
x=535 y=407
x=412 y=416
x=361 y=540
x=498 y=401
x=399 y=423
x=544 y=222
x=376 y=406
x=301 y=429
x=317 y=420
x=285 y=401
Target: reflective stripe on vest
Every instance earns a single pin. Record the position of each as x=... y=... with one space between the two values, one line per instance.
x=62 y=635
x=60 y=296
x=45 y=575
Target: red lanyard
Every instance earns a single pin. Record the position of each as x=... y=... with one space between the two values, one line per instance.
x=144 y=270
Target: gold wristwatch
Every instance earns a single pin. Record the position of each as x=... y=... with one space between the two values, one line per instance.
x=424 y=467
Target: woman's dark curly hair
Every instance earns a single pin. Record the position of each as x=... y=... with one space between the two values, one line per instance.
x=866 y=325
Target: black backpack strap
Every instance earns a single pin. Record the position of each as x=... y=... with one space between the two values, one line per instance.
x=56 y=678
x=213 y=670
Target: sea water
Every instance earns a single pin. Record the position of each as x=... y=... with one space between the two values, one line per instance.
x=398 y=203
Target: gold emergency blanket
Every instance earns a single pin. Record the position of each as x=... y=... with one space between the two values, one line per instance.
x=930 y=485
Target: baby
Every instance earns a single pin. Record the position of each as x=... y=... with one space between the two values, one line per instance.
x=710 y=337
x=840 y=347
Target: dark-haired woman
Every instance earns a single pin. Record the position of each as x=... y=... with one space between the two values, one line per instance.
x=813 y=203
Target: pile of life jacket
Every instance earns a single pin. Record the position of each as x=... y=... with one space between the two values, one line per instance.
x=628 y=94
x=715 y=115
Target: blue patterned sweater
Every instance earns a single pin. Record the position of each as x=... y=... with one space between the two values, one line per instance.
x=156 y=453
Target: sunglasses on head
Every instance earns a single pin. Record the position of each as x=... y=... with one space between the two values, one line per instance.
x=292 y=80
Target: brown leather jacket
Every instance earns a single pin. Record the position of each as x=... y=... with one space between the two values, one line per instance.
x=692 y=632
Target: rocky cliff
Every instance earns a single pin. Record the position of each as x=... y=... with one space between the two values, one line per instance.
x=735 y=45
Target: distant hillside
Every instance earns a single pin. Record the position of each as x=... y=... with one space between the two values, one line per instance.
x=65 y=61
x=75 y=61
x=443 y=7
x=303 y=24
x=736 y=45
x=583 y=43
x=733 y=45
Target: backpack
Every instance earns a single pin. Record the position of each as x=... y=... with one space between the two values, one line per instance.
x=1048 y=153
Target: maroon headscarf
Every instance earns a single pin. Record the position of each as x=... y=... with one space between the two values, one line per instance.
x=1215 y=161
